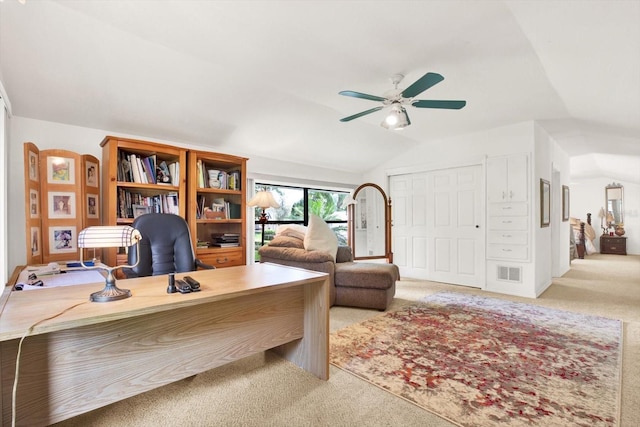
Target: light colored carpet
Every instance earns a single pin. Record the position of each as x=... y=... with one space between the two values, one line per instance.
x=265 y=390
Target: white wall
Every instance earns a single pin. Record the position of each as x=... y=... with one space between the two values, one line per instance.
x=49 y=135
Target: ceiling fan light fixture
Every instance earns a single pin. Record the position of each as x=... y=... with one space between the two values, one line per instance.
x=397 y=119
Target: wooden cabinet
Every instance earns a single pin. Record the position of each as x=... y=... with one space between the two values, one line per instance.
x=507 y=178
x=217 y=207
x=613 y=245
x=134 y=182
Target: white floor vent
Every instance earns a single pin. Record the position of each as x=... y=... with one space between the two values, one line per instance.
x=510 y=274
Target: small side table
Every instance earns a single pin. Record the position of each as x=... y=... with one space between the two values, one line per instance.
x=616 y=245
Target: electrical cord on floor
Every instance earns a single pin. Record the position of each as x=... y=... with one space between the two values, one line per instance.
x=26 y=334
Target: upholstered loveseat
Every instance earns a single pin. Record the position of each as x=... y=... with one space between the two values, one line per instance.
x=353 y=284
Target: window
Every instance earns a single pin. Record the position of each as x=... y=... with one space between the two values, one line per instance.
x=296 y=204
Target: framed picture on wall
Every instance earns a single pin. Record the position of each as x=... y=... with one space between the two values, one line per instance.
x=565 y=203
x=92 y=206
x=62 y=240
x=60 y=170
x=34 y=204
x=62 y=204
x=545 y=203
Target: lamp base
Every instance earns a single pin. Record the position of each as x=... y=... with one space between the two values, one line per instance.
x=110 y=293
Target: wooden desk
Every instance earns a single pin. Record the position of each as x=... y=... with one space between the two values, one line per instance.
x=98 y=353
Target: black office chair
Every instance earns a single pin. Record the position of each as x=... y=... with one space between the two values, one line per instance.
x=165 y=247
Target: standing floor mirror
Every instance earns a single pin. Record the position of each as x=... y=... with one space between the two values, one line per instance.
x=370 y=223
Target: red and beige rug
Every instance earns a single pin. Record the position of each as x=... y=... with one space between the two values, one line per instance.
x=479 y=361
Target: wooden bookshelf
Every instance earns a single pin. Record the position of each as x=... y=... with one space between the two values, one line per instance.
x=127 y=194
x=217 y=207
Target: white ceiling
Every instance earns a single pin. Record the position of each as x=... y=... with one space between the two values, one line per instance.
x=262 y=77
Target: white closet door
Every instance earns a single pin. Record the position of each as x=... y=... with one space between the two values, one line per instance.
x=409 y=220
x=455 y=226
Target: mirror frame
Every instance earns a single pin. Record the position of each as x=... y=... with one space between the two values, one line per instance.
x=615 y=186
x=388 y=255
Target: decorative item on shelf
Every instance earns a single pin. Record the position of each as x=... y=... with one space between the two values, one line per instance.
x=619 y=229
x=214 y=181
x=109 y=237
x=211 y=214
x=263 y=200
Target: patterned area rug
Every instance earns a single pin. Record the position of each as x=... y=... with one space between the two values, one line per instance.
x=483 y=361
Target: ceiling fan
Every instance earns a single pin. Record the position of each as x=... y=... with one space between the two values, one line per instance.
x=397 y=99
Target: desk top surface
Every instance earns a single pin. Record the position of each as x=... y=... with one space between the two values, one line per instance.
x=20 y=310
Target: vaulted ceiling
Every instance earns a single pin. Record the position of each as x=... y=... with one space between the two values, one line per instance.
x=262 y=77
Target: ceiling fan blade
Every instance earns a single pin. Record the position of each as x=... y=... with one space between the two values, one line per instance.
x=362 y=95
x=450 y=105
x=364 y=113
x=422 y=84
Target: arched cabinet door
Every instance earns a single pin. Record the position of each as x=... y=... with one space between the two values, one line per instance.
x=370 y=223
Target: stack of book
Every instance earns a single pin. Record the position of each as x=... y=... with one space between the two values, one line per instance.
x=225 y=240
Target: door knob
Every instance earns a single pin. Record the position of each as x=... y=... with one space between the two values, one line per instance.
x=477 y=226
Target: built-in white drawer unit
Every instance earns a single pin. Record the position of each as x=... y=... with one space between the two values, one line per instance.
x=508 y=209
x=508 y=223
x=508 y=251
x=508 y=237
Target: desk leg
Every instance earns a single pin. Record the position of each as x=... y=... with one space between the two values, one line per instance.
x=311 y=352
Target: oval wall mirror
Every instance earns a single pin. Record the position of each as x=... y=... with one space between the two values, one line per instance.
x=370 y=223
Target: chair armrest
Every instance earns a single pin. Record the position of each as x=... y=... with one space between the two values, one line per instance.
x=345 y=254
x=200 y=264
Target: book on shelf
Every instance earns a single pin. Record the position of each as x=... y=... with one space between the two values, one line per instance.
x=234 y=181
x=226 y=245
x=149 y=165
x=174 y=172
x=224 y=238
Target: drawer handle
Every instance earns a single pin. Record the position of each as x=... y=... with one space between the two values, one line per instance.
x=222 y=261
x=506 y=250
x=506 y=235
x=613 y=248
x=506 y=222
x=506 y=207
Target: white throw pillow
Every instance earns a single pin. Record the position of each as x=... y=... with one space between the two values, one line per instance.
x=320 y=237
x=292 y=230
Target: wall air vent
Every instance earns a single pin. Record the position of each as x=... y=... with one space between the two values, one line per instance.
x=510 y=274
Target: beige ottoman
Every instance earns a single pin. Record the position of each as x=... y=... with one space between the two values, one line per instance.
x=365 y=285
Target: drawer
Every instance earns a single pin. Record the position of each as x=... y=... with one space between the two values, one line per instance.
x=508 y=237
x=613 y=245
x=508 y=251
x=508 y=209
x=508 y=223
x=224 y=258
